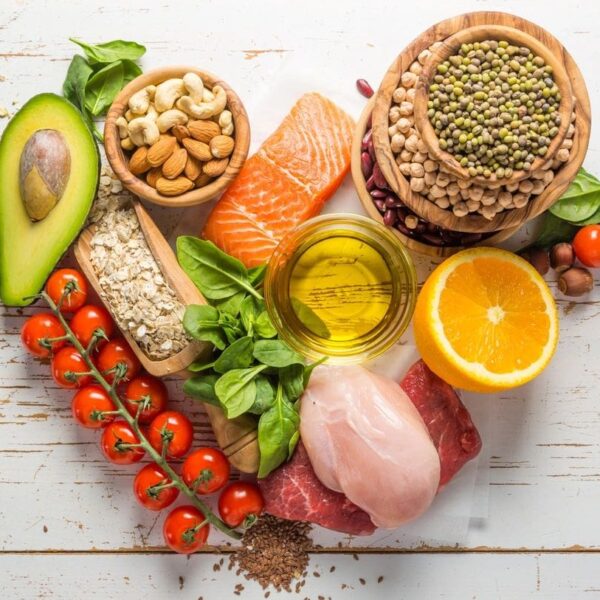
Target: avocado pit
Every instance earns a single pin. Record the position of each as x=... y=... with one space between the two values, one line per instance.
x=44 y=172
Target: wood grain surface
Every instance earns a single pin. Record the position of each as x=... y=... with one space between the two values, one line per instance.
x=69 y=527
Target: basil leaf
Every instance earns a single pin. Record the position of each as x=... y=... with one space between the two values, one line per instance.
x=216 y=274
x=231 y=305
x=309 y=318
x=553 y=231
x=581 y=200
x=111 y=51
x=203 y=387
x=102 y=87
x=78 y=74
x=265 y=396
x=277 y=429
x=257 y=274
x=292 y=381
x=130 y=71
x=236 y=356
x=264 y=327
x=237 y=390
x=276 y=353
x=201 y=322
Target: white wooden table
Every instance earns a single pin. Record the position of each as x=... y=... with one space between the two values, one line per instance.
x=69 y=527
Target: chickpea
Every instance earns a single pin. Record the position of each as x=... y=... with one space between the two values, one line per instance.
x=408 y=79
x=397 y=143
x=406 y=108
x=460 y=209
x=430 y=166
x=417 y=170
x=399 y=95
x=404 y=125
x=405 y=169
x=417 y=184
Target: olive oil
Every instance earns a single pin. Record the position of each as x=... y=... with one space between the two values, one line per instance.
x=340 y=286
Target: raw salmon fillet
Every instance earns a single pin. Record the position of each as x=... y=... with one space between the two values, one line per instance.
x=286 y=182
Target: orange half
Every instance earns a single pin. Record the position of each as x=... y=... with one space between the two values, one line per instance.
x=486 y=321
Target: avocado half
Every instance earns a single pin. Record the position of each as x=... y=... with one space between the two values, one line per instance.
x=49 y=168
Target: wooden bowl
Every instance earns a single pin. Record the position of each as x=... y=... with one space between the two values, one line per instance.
x=172 y=272
x=477 y=223
x=480 y=33
x=119 y=162
x=361 y=187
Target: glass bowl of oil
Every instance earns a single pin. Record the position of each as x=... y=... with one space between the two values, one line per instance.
x=341 y=286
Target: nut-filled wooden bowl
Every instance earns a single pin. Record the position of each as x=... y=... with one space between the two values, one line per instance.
x=367 y=201
x=479 y=33
x=119 y=158
x=473 y=222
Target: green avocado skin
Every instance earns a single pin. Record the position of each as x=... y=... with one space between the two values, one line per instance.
x=29 y=251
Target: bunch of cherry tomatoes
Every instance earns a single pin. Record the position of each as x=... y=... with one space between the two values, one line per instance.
x=205 y=470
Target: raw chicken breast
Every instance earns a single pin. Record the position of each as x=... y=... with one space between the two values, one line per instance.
x=366 y=439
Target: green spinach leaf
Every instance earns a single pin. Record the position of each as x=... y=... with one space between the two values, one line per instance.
x=130 y=71
x=236 y=390
x=277 y=429
x=264 y=327
x=103 y=86
x=265 y=396
x=257 y=274
x=216 y=274
x=78 y=74
x=201 y=322
x=581 y=200
x=276 y=353
x=249 y=311
x=308 y=370
x=111 y=51
x=236 y=356
x=553 y=231
x=198 y=366
x=292 y=381
x=203 y=387
x=230 y=305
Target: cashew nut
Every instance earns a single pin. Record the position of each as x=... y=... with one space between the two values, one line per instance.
x=204 y=110
x=143 y=131
x=140 y=101
x=127 y=144
x=226 y=122
x=152 y=113
x=194 y=86
x=170 y=118
x=207 y=95
x=121 y=124
x=129 y=115
x=167 y=93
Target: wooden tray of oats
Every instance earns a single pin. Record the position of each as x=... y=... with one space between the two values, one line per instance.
x=134 y=271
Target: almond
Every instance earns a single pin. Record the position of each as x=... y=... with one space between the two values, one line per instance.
x=153 y=175
x=180 y=132
x=204 y=131
x=202 y=180
x=174 y=165
x=160 y=151
x=214 y=168
x=197 y=149
x=221 y=146
x=174 y=187
x=193 y=168
x=138 y=163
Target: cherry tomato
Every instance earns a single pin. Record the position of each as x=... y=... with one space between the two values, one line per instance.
x=115 y=441
x=147 y=484
x=114 y=352
x=89 y=405
x=66 y=363
x=240 y=502
x=87 y=320
x=38 y=328
x=205 y=470
x=183 y=530
x=148 y=390
x=587 y=245
x=173 y=428
x=76 y=297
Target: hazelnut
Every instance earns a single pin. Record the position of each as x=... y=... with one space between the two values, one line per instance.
x=575 y=282
x=538 y=258
x=562 y=257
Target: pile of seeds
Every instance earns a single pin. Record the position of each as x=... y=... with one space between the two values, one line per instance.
x=141 y=300
x=494 y=107
x=428 y=177
x=274 y=552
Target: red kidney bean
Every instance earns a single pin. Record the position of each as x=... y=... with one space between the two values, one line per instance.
x=391 y=202
x=421 y=227
x=470 y=238
x=380 y=204
x=433 y=239
x=362 y=85
x=371 y=149
x=366 y=139
x=390 y=217
x=402 y=228
x=366 y=164
x=378 y=194
x=380 y=181
x=371 y=183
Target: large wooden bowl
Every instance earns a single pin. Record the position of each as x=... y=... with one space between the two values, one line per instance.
x=448 y=48
x=119 y=162
x=363 y=193
x=477 y=223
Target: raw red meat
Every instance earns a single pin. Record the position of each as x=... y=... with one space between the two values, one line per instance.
x=448 y=421
x=294 y=492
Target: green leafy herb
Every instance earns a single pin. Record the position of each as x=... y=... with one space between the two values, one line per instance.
x=264 y=327
x=236 y=390
x=102 y=87
x=581 y=201
x=78 y=74
x=216 y=274
x=277 y=433
x=203 y=387
x=236 y=356
x=202 y=322
x=257 y=274
x=310 y=318
x=265 y=396
x=292 y=381
x=109 y=52
x=130 y=71
x=231 y=305
x=276 y=353
x=308 y=369
x=198 y=366
x=553 y=231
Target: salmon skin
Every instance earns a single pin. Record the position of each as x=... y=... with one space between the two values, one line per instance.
x=287 y=181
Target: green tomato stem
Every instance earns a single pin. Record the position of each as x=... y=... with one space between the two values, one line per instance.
x=209 y=515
